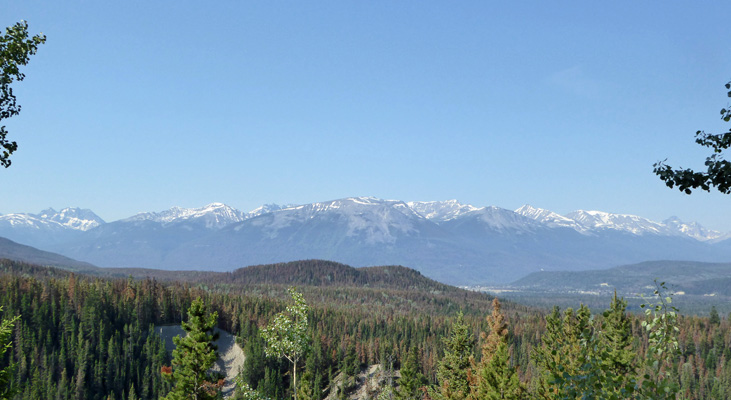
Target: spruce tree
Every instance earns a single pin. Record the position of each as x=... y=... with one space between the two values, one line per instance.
x=494 y=378
x=6 y=329
x=452 y=369
x=305 y=390
x=194 y=355
x=616 y=338
x=412 y=380
x=254 y=366
x=714 y=318
x=562 y=352
x=132 y=393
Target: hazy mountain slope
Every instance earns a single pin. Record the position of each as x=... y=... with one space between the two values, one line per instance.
x=687 y=276
x=130 y=243
x=18 y=252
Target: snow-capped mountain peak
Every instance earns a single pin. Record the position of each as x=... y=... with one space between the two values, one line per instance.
x=77 y=218
x=502 y=219
x=692 y=229
x=212 y=216
x=72 y=218
x=28 y=221
x=600 y=220
x=375 y=220
x=265 y=209
x=440 y=211
x=549 y=218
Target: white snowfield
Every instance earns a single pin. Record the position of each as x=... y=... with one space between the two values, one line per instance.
x=230 y=355
x=213 y=216
x=69 y=218
x=377 y=219
x=441 y=211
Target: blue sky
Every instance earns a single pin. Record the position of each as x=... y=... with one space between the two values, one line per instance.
x=141 y=106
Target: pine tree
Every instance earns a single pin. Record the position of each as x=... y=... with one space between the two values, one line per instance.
x=6 y=330
x=412 y=380
x=714 y=318
x=194 y=355
x=254 y=366
x=132 y=393
x=452 y=369
x=563 y=351
x=616 y=338
x=494 y=378
x=305 y=390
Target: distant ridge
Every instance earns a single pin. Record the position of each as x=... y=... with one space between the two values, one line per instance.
x=18 y=252
x=329 y=273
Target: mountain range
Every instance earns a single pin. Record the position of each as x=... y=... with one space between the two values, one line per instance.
x=446 y=240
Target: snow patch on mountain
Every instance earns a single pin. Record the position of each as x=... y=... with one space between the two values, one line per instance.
x=212 y=216
x=599 y=220
x=25 y=221
x=375 y=220
x=74 y=218
x=265 y=209
x=549 y=218
x=692 y=229
x=441 y=211
x=50 y=219
x=502 y=219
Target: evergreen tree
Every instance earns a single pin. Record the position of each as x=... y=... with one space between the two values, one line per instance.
x=254 y=365
x=616 y=338
x=494 y=378
x=714 y=318
x=412 y=380
x=350 y=363
x=453 y=367
x=132 y=393
x=194 y=355
x=562 y=352
x=306 y=391
x=6 y=330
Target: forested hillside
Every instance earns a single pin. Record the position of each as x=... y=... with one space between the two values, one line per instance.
x=84 y=337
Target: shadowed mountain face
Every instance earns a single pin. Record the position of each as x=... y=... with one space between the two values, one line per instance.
x=447 y=241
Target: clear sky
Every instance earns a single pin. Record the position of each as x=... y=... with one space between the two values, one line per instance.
x=144 y=105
